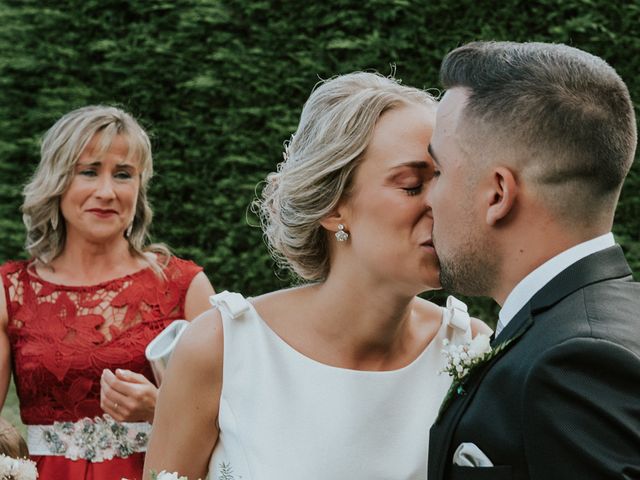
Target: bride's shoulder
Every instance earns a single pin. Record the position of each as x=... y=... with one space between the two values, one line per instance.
x=282 y=302
x=427 y=310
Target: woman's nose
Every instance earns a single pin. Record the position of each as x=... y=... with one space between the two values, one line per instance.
x=105 y=188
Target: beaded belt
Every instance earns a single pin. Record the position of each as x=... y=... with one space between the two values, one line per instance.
x=95 y=440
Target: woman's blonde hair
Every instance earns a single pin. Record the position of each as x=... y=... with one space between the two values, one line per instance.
x=336 y=126
x=61 y=147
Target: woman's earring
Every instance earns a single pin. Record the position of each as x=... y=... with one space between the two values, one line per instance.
x=54 y=219
x=341 y=235
x=128 y=231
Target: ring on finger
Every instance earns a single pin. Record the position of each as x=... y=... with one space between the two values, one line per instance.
x=115 y=405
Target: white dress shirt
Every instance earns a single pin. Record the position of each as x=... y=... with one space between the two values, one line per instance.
x=532 y=283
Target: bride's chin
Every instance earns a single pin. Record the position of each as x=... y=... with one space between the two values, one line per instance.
x=430 y=288
x=431 y=279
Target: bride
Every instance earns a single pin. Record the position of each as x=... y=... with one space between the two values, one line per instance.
x=337 y=378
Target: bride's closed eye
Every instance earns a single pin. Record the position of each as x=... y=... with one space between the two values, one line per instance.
x=412 y=191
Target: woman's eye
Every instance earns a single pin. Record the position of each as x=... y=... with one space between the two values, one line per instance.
x=88 y=172
x=412 y=191
x=123 y=175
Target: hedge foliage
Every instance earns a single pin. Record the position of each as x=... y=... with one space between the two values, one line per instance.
x=220 y=85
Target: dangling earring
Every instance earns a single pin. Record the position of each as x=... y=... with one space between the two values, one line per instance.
x=54 y=219
x=127 y=232
x=341 y=235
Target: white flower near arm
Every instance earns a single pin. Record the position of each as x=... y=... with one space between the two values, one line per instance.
x=18 y=469
x=164 y=475
x=170 y=476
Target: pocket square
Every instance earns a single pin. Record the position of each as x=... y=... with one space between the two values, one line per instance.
x=469 y=455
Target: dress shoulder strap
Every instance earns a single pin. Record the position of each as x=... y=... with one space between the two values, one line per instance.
x=456 y=314
x=230 y=304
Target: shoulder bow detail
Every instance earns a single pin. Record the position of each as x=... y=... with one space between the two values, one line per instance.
x=229 y=303
x=456 y=314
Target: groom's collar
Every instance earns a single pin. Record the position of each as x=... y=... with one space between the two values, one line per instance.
x=603 y=265
x=534 y=281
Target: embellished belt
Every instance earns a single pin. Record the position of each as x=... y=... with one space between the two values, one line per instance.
x=95 y=440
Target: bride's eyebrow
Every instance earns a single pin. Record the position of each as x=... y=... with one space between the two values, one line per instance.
x=421 y=164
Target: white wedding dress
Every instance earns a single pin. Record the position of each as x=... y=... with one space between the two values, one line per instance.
x=284 y=416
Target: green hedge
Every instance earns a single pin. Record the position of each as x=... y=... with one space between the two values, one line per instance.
x=220 y=85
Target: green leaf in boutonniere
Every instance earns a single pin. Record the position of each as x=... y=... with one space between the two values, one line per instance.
x=462 y=360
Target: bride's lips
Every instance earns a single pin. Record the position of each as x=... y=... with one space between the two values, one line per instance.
x=428 y=245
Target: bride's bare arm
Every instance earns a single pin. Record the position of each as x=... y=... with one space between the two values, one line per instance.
x=185 y=423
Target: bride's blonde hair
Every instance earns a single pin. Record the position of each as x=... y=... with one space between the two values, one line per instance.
x=335 y=128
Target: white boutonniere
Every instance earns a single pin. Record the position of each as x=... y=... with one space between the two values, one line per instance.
x=463 y=359
x=460 y=359
x=17 y=468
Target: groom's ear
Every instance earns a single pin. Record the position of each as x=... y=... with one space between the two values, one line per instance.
x=502 y=195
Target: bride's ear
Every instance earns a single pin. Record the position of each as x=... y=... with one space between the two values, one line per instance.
x=335 y=218
x=501 y=195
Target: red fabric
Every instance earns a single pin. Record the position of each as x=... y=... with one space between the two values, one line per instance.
x=62 y=337
x=59 y=468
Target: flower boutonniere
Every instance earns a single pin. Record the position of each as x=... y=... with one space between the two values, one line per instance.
x=463 y=359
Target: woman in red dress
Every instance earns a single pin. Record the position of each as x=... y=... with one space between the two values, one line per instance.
x=76 y=318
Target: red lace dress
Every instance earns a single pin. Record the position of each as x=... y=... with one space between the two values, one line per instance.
x=62 y=337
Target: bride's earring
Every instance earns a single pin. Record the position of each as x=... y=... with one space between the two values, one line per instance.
x=341 y=235
x=127 y=232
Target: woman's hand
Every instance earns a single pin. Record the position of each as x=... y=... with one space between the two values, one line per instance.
x=127 y=396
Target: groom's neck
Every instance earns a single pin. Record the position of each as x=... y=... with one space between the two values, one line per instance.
x=526 y=247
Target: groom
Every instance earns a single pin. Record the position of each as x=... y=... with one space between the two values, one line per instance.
x=531 y=146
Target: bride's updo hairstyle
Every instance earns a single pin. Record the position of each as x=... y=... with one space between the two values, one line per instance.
x=336 y=126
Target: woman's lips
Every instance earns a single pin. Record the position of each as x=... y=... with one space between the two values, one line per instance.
x=103 y=213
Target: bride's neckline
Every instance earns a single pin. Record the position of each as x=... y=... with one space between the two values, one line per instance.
x=284 y=345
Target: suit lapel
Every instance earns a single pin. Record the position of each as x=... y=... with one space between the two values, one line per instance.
x=604 y=265
x=442 y=431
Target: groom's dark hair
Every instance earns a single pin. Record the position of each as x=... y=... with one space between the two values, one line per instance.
x=569 y=109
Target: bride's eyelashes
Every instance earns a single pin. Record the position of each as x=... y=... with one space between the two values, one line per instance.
x=412 y=191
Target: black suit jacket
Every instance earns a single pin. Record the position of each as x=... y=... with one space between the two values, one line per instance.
x=562 y=400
